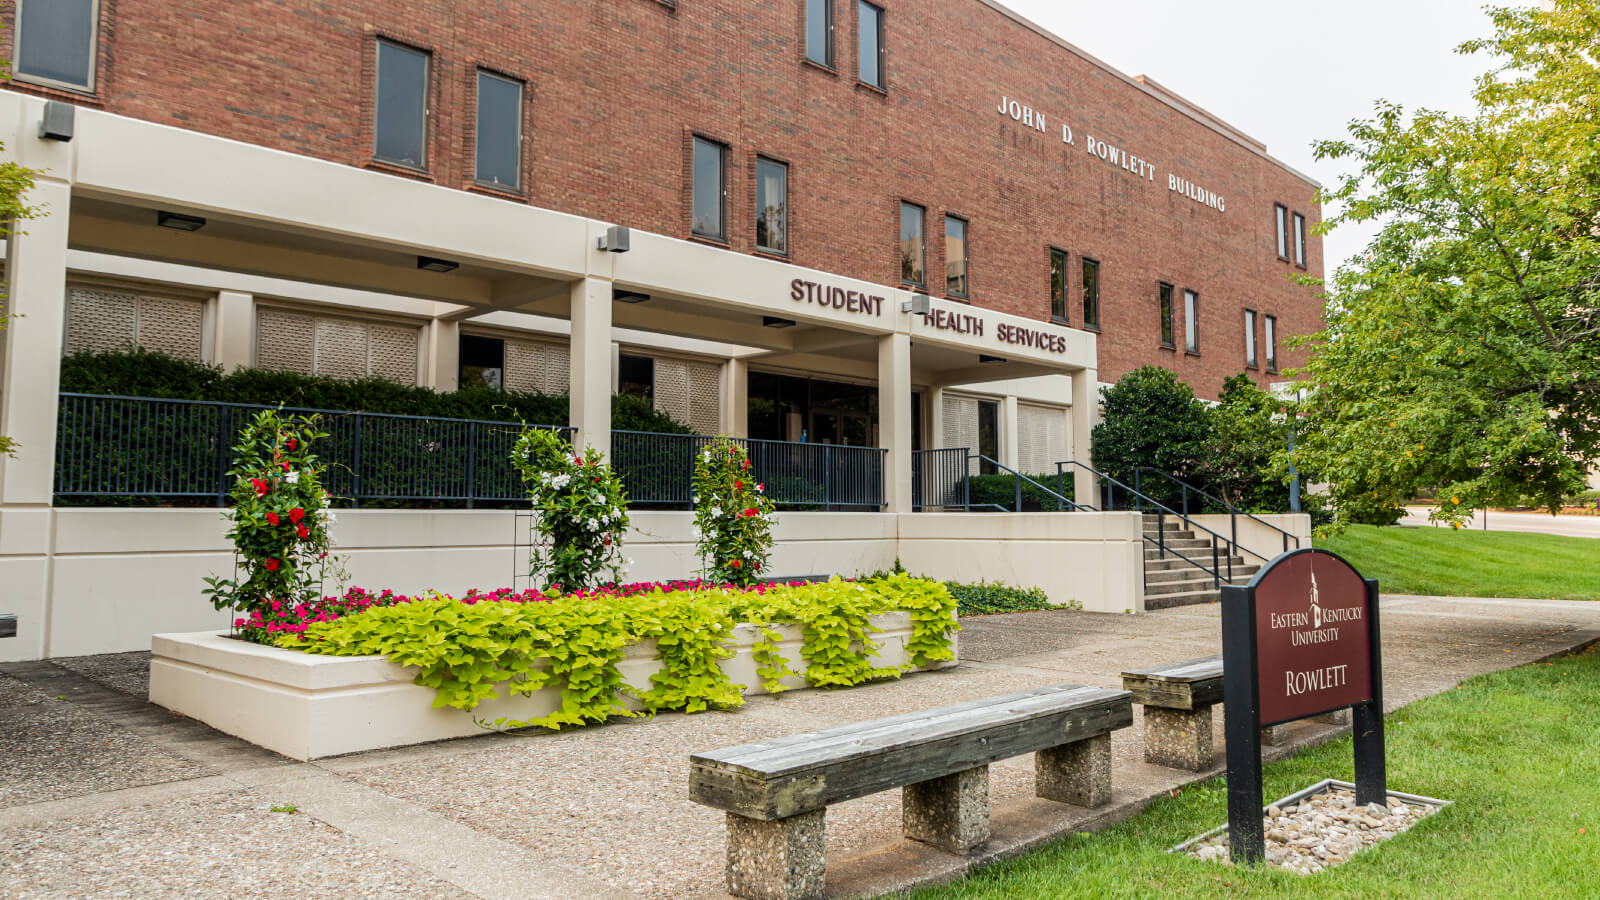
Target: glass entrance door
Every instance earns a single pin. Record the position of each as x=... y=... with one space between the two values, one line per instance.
x=835 y=426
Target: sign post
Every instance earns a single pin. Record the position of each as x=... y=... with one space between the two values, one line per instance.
x=1301 y=639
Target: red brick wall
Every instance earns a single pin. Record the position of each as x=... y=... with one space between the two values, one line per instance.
x=615 y=87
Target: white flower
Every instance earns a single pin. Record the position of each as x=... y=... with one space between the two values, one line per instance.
x=292 y=478
x=593 y=525
x=332 y=519
x=716 y=511
x=749 y=555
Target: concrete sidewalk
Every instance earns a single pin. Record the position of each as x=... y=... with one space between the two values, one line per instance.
x=102 y=794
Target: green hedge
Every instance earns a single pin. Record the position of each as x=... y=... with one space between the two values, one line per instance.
x=142 y=373
x=983 y=598
x=1001 y=489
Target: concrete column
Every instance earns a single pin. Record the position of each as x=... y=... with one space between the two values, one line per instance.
x=935 y=418
x=590 y=350
x=1085 y=412
x=894 y=418
x=735 y=390
x=30 y=365
x=1010 y=434
x=616 y=367
x=233 y=337
x=442 y=369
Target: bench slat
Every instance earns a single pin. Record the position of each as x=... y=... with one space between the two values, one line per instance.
x=1186 y=685
x=807 y=772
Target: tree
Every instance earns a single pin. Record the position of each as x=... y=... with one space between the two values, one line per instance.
x=1150 y=419
x=1462 y=351
x=1248 y=429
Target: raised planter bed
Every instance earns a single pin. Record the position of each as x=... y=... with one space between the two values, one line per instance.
x=307 y=706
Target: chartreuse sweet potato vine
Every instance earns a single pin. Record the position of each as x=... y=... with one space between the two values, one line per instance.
x=466 y=652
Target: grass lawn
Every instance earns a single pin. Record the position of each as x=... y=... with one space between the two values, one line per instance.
x=1472 y=563
x=1518 y=752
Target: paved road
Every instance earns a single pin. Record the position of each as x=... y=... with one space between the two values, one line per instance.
x=102 y=794
x=1540 y=523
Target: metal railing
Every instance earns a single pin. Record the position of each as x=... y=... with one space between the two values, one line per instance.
x=939 y=479
x=658 y=470
x=1233 y=512
x=112 y=446
x=1222 y=548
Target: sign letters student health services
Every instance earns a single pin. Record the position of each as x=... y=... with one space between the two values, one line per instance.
x=1299 y=640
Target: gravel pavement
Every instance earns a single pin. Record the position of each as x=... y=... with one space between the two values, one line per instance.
x=103 y=795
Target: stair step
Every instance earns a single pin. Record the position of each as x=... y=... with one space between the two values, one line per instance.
x=1193 y=598
x=1153 y=564
x=1190 y=573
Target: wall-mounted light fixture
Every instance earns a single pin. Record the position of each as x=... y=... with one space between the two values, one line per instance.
x=616 y=239
x=57 y=123
x=622 y=296
x=431 y=264
x=179 y=221
x=918 y=305
x=776 y=322
x=986 y=358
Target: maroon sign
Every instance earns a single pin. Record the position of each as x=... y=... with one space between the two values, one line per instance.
x=1312 y=641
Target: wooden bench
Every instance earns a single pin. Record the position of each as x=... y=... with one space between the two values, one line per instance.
x=775 y=793
x=1177 y=700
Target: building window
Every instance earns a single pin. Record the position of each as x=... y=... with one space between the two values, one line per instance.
x=483 y=362
x=1168 y=330
x=636 y=376
x=1282 y=215
x=913 y=253
x=1058 y=285
x=988 y=436
x=819 y=32
x=56 y=42
x=1271 y=325
x=955 y=257
x=1191 y=321
x=710 y=190
x=869 y=37
x=1299 y=240
x=402 y=120
x=1250 y=338
x=1091 y=293
x=772 y=206
x=499 y=137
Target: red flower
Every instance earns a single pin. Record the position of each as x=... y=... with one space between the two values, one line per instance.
x=747 y=465
x=296 y=514
x=272 y=518
x=272 y=565
x=749 y=513
x=285 y=467
x=291 y=443
x=738 y=484
x=738 y=563
x=304 y=532
x=577 y=460
x=261 y=487
x=608 y=542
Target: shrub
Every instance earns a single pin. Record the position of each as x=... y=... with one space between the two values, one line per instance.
x=1000 y=490
x=465 y=650
x=732 y=516
x=984 y=598
x=580 y=511
x=1151 y=419
x=279 y=519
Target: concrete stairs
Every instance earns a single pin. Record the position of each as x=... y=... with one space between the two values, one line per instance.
x=1175 y=582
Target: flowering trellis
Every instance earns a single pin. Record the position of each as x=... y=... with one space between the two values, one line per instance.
x=732 y=516
x=279 y=518
x=580 y=512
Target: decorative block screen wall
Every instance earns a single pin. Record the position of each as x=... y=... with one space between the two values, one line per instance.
x=690 y=392
x=342 y=348
x=100 y=319
x=538 y=367
x=1041 y=438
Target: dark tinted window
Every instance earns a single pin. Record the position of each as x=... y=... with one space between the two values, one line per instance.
x=1058 y=285
x=402 y=126
x=819 y=31
x=709 y=189
x=499 y=142
x=869 y=38
x=913 y=254
x=1091 y=294
x=772 y=206
x=482 y=361
x=636 y=375
x=988 y=436
x=1271 y=325
x=56 y=41
x=1168 y=333
x=955 y=257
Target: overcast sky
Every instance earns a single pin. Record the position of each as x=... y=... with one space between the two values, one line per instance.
x=1286 y=74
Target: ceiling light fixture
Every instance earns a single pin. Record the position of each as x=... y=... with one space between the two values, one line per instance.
x=622 y=296
x=986 y=358
x=179 y=221
x=430 y=264
x=776 y=322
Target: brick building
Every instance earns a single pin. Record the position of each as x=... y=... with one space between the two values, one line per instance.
x=417 y=191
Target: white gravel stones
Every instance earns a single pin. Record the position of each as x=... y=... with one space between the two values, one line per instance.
x=1321 y=831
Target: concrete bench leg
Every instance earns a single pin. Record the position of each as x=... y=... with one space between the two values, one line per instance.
x=1178 y=738
x=1273 y=735
x=1078 y=773
x=779 y=860
x=1339 y=717
x=951 y=813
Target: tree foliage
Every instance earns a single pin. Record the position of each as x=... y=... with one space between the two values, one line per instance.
x=1150 y=419
x=1461 y=352
x=1248 y=428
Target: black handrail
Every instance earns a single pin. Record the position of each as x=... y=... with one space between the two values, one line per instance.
x=1162 y=512
x=1062 y=503
x=1233 y=511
